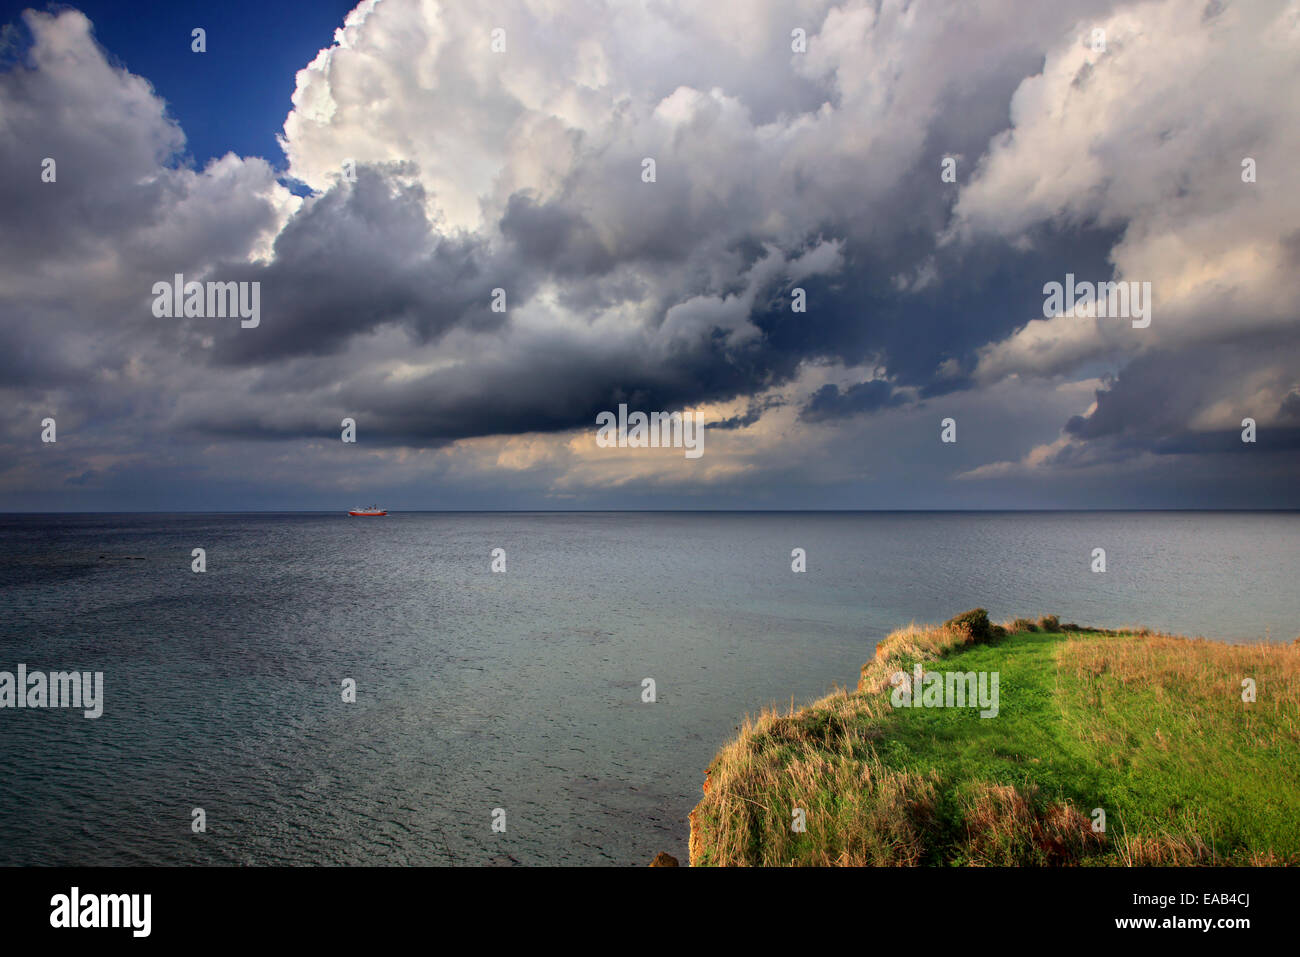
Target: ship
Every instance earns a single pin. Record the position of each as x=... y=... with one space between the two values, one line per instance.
x=368 y=511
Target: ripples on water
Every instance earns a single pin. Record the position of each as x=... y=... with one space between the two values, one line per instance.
x=523 y=690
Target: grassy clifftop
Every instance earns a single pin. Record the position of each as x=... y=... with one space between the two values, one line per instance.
x=1151 y=729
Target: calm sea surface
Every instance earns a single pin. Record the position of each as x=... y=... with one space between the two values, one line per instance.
x=520 y=690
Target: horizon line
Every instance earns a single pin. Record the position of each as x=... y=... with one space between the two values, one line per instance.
x=482 y=510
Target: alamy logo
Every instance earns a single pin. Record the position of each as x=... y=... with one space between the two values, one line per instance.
x=669 y=430
x=1102 y=300
x=103 y=910
x=218 y=301
x=946 y=689
x=59 y=689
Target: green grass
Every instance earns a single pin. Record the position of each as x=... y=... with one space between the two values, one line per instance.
x=1140 y=758
x=1151 y=728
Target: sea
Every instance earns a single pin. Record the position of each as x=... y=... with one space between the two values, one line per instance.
x=510 y=688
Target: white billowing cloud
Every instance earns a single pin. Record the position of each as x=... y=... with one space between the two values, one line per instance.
x=79 y=255
x=542 y=146
x=585 y=90
x=1149 y=137
x=116 y=204
x=1051 y=346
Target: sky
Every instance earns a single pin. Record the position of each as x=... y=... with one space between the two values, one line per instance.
x=831 y=230
x=232 y=102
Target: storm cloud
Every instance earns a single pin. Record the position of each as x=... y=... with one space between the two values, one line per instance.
x=482 y=262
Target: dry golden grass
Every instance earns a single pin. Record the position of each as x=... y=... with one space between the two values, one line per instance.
x=821 y=761
x=1166 y=850
x=906 y=646
x=1007 y=826
x=1202 y=679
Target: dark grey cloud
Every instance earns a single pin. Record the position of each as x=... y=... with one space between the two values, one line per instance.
x=753 y=412
x=361 y=256
x=1152 y=402
x=555 y=238
x=1290 y=408
x=831 y=402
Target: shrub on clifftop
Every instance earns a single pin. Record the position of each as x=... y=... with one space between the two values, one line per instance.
x=974 y=622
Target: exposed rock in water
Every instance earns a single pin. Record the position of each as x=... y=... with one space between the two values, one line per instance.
x=664 y=860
